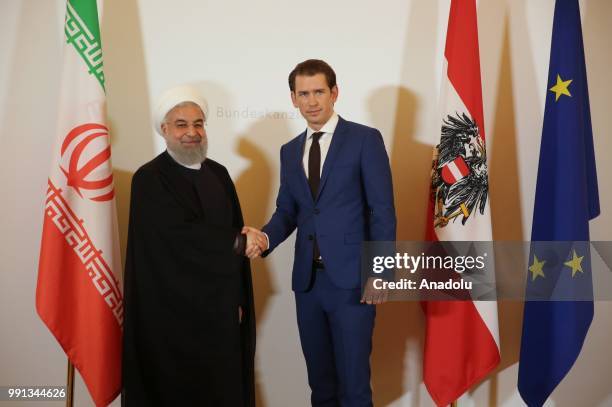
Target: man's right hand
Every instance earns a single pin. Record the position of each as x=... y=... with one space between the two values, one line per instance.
x=257 y=242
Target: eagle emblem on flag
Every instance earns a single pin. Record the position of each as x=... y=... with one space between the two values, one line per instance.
x=459 y=181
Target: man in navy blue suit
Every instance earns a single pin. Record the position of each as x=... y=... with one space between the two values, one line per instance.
x=336 y=190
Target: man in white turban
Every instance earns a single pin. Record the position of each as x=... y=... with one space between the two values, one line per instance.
x=189 y=327
x=183 y=99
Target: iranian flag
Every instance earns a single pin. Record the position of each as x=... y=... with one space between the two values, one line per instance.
x=78 y=295
x=461 y=339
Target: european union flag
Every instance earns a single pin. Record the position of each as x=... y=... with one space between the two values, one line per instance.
x=566 y=199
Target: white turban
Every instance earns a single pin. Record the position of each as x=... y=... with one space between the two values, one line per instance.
x=173 y=97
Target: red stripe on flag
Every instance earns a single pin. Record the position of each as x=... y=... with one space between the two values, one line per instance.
x=447 y=175
x=462 y=166
x=459 y=349
x=464 y=58
x=78 y=316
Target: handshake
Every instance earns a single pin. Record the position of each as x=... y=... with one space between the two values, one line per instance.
x=256 y=242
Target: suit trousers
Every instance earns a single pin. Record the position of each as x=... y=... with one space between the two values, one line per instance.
x=336 y=336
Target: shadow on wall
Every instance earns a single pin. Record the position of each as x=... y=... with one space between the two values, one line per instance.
x=399 y=326
x=596 y=32
x=123 y=185
x=254 y=187
x=257 y=198
x=398 y=337
x=506 y=214
x=128 y=101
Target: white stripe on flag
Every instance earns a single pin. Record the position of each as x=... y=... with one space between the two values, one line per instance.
x=452 y=167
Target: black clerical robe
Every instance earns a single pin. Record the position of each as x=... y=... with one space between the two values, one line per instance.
x=183 y=343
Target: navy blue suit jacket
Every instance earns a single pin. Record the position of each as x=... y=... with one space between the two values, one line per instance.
x=354 y=203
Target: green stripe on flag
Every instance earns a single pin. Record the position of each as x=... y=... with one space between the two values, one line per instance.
x=82 y=30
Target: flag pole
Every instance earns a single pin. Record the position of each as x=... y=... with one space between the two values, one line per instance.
x=70 y=385
x=454 y=403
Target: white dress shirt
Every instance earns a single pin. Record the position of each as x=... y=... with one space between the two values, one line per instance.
x=324 y=141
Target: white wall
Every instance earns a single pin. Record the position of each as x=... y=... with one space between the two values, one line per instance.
x=387 y=58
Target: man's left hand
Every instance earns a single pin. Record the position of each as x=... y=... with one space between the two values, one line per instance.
x=372 y=295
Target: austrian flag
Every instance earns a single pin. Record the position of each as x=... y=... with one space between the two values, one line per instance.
x=461 y=339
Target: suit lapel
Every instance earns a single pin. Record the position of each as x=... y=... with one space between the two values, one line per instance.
x=299 y=158
x=338 y=139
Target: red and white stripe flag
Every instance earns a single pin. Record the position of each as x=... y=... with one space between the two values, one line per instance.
x=78 y=295
x=462 y=338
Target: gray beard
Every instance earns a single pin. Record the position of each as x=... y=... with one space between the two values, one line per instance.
x=190 y=156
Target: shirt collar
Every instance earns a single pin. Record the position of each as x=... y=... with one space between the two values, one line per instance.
x=328 y=128
x=195 y=166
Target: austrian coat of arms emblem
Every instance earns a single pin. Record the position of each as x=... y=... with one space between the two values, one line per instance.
x=459 y=182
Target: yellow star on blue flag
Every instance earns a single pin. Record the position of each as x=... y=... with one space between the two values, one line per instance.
x=561 y=88
x=536 y=268
x=575 y=264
